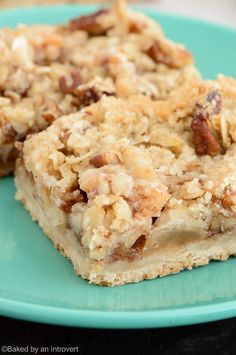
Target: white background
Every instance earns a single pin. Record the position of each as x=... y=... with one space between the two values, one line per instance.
x=221 y=11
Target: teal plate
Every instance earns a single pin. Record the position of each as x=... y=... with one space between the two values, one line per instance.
x=38 y=284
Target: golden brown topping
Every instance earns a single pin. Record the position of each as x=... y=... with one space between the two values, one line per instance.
x=88 y=23
x=65 y=136
x=227 y=199
x=71 y=197
x=104 y=159
x=148 y=206
x=205 y=140
x=68 y=85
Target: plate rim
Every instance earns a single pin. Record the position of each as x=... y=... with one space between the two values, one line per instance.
x=176 y=316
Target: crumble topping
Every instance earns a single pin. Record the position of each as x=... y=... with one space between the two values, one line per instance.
x=129 y=170
x=50 y=71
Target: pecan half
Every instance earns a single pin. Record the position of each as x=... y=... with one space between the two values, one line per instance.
x=68 y=85
x=89 y=23
x=204 y=140
x=104 y=159
x=204 y=137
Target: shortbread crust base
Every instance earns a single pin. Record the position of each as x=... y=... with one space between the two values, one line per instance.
x=160 y=262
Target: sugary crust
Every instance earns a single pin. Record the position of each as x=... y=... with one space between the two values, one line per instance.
x=127 y=179
x=50 y=71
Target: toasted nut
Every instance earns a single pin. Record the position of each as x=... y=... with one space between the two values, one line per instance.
x=74 y=80
x=8 y=132
x=156 y=53
x=210 y=104
x=173 y=58
x=104 y=159
x=88 y=23
x=89 y=95
x=204 y=139
x=136 y=27
x=49 y=118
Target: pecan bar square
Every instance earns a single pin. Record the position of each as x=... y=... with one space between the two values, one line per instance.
x=124 y=191
x=50 y=71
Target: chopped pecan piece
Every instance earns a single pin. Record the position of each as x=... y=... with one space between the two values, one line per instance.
x=90 y=95
x=49 y=118
x=68 y=85
x=156 y=53
x=205 y=141
x=104 y=159
x=8 y=132
x=136 y=27
x=89 y=23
